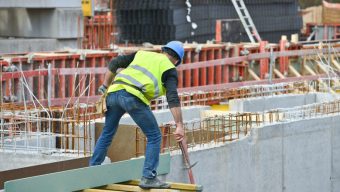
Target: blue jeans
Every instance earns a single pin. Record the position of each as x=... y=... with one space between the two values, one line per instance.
x=117 y=104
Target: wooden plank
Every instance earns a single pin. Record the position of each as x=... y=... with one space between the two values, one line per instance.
x=98 y=190
x=180 y=186
x=133 y=188
x=84 y=178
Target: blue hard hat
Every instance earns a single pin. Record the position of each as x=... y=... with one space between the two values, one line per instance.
x=177 y=47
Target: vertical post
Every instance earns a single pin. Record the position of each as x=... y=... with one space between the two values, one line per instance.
x=52 y=84
x=218 y=73
x=329 y=66
x=203 y=57
x=49 y=84
x=196 y=71
x=71 y=83
x=272 y=63
x=218 y=31
x=187 y=79
x=211 y=75
x=41 y=81
x=283 y=60
x=62 y=81
x=263 y=62
x=1 y=118
x=93 y=85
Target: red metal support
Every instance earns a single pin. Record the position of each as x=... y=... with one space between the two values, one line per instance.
x=82 y=77
x=71 y=82
x=41 y=81
x=218 y=31
x=180 y=79
x=263 y=62
x=187 y=73
x=283 y=60
x=196 y=71
x=101 y=77
x=218 y=75
x=93 y=77
x=203 y=74
x=53 y=88
x=211 y=71
x=62 y=81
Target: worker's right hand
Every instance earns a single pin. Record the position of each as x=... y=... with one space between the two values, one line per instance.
x=179 y=132
x=102 y=89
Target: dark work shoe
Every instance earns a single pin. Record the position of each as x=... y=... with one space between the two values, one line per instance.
x=154 y=183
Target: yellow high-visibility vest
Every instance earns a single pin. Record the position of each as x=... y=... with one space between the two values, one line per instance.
x=145 y=73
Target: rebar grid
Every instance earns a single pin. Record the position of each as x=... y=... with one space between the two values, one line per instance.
x=214 y=97
x=48 y=131
x=219 y=129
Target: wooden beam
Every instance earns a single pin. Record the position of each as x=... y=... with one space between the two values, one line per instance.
x=309 y=70
x=85 y=178
x=133 y=188
x=279 y=74
x=336 y=64
x=294 y=71
x=253 y=74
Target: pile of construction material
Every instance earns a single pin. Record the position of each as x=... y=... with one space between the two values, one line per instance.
x=331 y=13
x=160 y=21
x=37 y=25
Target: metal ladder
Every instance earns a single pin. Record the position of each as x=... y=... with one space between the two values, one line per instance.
x=246 y=20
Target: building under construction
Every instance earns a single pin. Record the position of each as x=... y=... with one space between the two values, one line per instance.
x=259 y=89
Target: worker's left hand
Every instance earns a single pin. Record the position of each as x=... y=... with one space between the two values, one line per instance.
x=102 y=89
x=179 y=133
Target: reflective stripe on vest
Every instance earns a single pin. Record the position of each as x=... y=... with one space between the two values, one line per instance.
x=151 y=76
x=133 y=80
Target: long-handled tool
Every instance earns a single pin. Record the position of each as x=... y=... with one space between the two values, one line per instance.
x=184 y=148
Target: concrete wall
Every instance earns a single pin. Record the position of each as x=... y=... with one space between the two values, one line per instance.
x=260 y=104
x=302 y=156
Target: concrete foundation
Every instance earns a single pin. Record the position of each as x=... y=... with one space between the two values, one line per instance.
x=301 y=156
x=259 y=104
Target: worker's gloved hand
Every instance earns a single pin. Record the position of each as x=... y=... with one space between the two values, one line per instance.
x=102 y=89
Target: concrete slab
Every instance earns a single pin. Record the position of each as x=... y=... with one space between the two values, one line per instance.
x=260 y=104
x=41 y=4
x=61 y=23
x=35 y=45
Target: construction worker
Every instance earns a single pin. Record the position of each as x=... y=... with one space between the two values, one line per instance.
x=146 y=76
